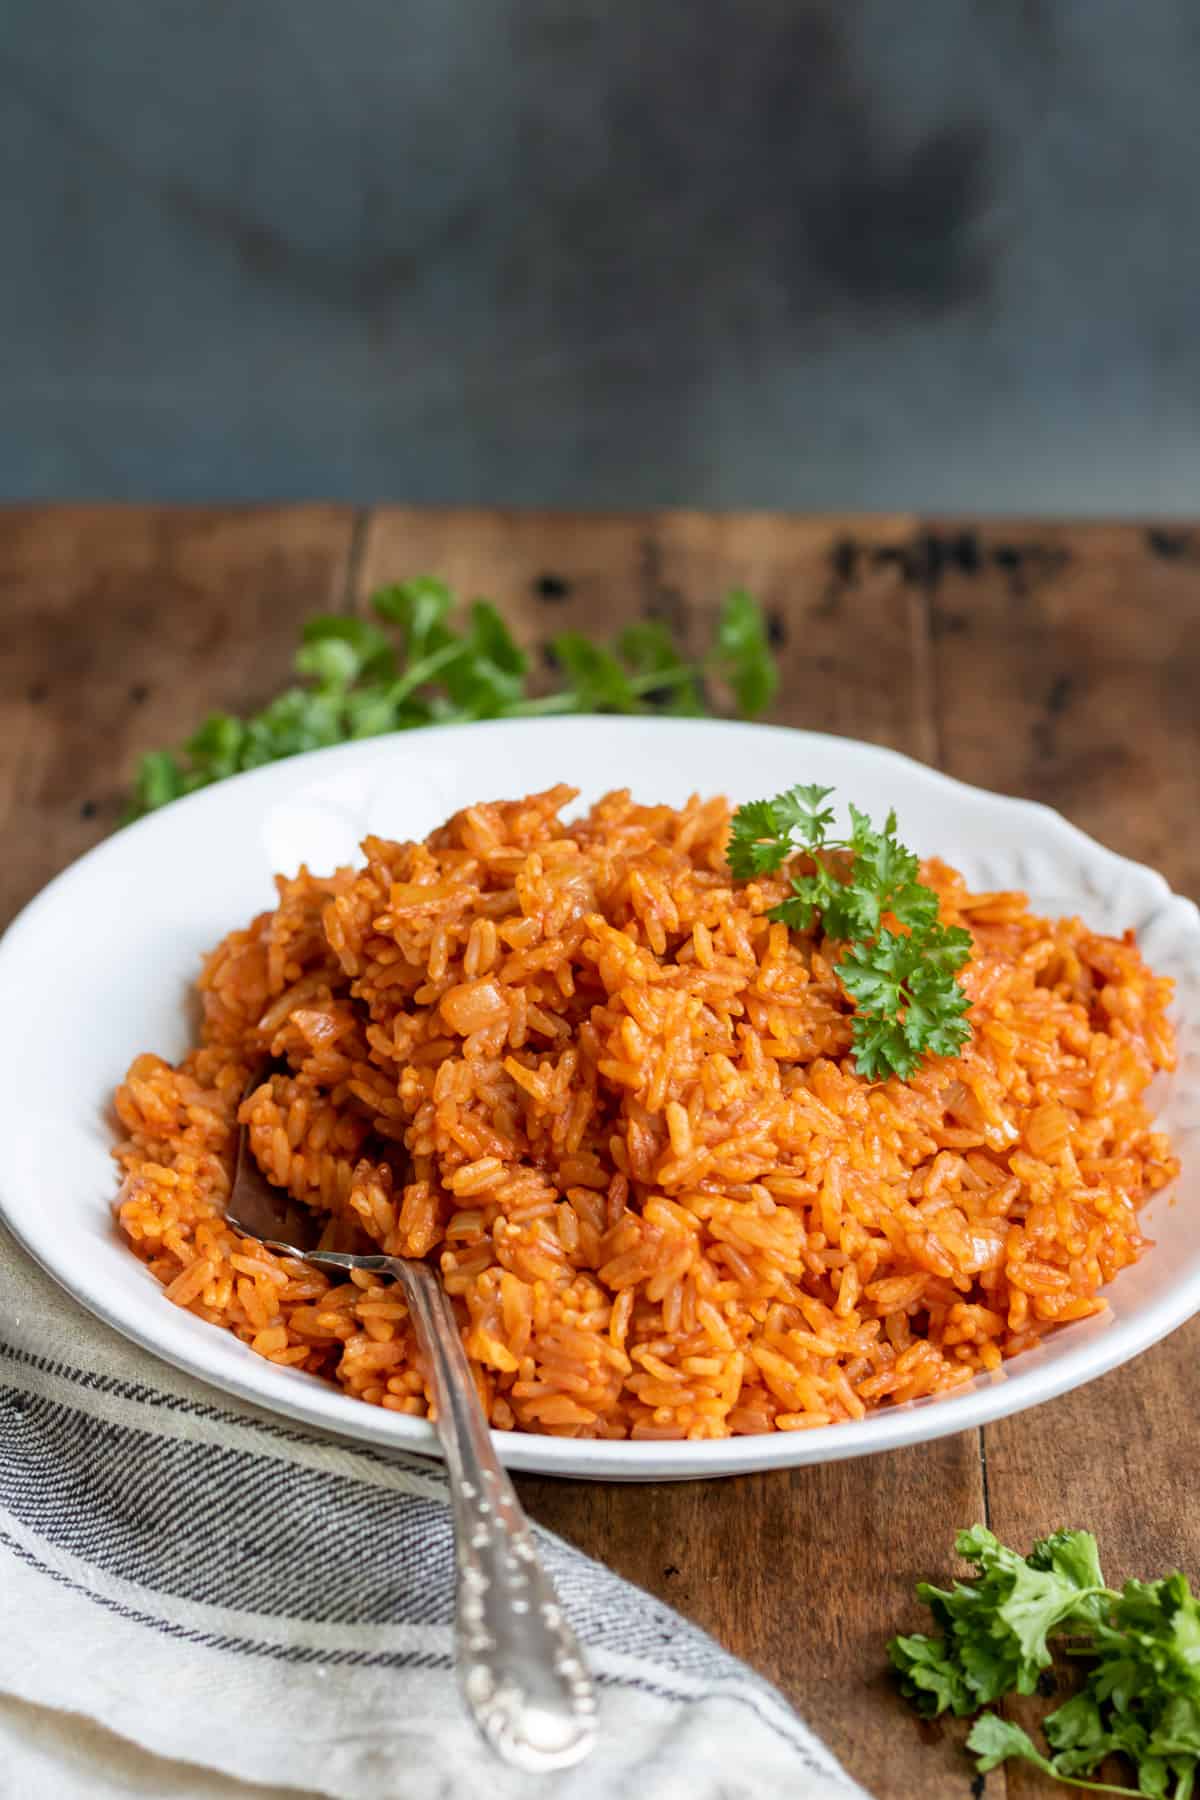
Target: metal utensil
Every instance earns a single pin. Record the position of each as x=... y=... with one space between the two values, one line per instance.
x=520 y=1666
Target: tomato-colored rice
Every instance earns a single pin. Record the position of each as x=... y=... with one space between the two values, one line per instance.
x=577 y=1066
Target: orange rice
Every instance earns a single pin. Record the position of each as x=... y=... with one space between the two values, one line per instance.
x=578 y=1067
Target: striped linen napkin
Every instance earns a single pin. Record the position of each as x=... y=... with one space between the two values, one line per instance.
x=197 y=1596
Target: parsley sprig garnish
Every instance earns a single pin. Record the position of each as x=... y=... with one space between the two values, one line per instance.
x=1141 y=1692
x=908 y=1002
x=425 y=660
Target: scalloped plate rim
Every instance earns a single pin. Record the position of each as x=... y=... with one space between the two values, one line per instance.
x=1031 y=1380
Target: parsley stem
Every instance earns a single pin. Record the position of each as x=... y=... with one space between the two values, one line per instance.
x=1095 y=1787
x=424 y=671
x=652 y=682
x=654 y=679
x=544 y=705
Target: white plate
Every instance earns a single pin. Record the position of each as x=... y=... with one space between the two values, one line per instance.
x=98 y=969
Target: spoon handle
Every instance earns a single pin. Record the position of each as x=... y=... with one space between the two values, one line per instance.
x=519 y=1663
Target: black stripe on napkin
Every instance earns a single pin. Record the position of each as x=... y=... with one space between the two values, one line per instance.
x=219 y=1525
x=138 y=1391
x=398 y=1659
x=216 y=1524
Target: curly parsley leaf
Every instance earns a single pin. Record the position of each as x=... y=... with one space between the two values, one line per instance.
x=757 y=845
x=994 y=1740
x=1138 y=1652
x=418 y=661
x=653 y=662
x=908 y=1001
x=487 y=678
x=996 y=1625
x=160 y=780
x=742 y=654
x=421 y=608
x=596 y=676
x=336 y=651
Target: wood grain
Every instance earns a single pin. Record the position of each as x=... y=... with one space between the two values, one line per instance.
x=123 y=627
x=1072 y=680
x=851 y=636
x=761 y=1562
x=1067 y=672
x=1057 y=662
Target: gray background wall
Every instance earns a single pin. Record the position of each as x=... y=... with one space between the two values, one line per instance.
x=886 y=254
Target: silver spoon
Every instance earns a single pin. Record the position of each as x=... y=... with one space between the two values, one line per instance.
x=520 y=1666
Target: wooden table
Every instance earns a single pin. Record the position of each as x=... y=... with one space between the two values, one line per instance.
x=1056 y=662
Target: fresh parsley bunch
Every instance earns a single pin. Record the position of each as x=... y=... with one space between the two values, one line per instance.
x=908 y=1001
x=1141 y=1693
x=435 y=666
